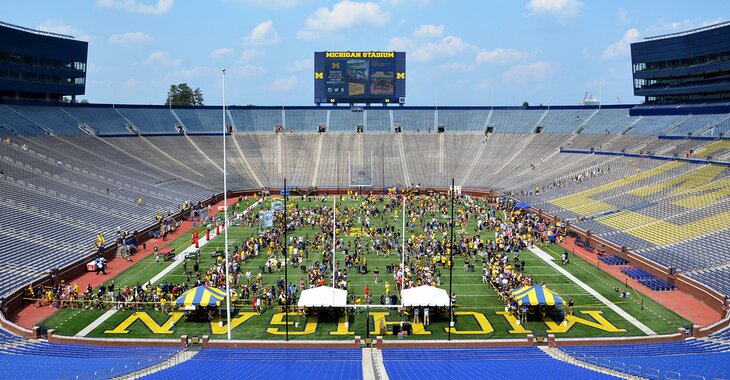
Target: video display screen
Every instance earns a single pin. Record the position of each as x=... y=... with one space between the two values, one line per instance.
x=359 y=77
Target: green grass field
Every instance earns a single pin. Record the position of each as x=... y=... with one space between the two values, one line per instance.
x=479 y=312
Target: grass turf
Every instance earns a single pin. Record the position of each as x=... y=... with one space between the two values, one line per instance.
x=473 y=296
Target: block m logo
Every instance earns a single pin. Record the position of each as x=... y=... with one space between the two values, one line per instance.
x=400 y=75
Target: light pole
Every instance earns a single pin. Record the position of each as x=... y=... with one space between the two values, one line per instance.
x=451 y=262
x=225 y=210
x=286 y=263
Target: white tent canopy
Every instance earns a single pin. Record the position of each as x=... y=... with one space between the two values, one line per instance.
x=323 y=296
x=425 y=296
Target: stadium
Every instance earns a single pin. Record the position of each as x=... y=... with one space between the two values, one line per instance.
x=360 y=237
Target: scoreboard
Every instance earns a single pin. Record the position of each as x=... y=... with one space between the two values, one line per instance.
x=359 y=77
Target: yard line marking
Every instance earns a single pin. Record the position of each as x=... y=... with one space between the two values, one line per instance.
x=86 y=330
x=550 y=261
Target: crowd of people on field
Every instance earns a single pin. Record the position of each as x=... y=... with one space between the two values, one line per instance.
x=374 y=227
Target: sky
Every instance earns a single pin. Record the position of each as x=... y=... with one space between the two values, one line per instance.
x=458 y=52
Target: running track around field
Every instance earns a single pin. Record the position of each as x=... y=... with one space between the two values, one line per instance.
x=676 y=301
x=31 y=315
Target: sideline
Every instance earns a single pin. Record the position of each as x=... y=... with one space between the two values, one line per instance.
x=178 y=259
x=551 y=261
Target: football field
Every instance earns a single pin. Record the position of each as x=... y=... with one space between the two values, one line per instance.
x=479 y=312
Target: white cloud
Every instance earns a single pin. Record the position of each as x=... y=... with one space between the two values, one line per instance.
x=138 y=6
x=268 y=3
x=222 y=52
x=398 y=3
x=301 y=65
x=161 y=58
x=130 y=39
x=186 y=73
x=428 y=31
x=457 y=66
x=130 y=83
x=621 y=47
x=247 y=70
x=528 y=72
x=61 y=28
x=501 y=56
x=427 y=43
x=344 y=15
x=483 y=85
x=562 y=10
x=263 y=34
x=251 y=54
x=283 y=84
x=447 y=46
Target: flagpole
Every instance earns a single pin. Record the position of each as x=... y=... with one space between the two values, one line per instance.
x=286 y=264
x=225 y=211
x=451 y=261
x=403 y=252
x=334 y=228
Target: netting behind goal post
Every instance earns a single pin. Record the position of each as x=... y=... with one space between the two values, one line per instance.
x=360 y=169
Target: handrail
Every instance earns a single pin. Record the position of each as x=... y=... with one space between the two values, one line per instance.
x=35 y=31
x=686 y=32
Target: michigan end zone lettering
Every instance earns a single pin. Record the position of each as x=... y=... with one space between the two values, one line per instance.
x=378 y=319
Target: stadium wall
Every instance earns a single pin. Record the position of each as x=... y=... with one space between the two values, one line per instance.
x=679 y=336
x=52 y=338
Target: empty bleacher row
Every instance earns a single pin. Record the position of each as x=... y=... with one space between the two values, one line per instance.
x=647 y=279
x=127 y=119
x=674 y=214
x=269 y=363
x=686 y=360
x=481 y=363
x=613 y=260
x=26 y=359
x=717 y=277
x=58 y=195
x=722 y=335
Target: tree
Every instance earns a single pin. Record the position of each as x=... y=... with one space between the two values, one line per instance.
x=84 y=101
x=525 y=104
x=182 y=95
